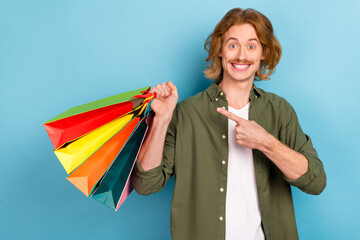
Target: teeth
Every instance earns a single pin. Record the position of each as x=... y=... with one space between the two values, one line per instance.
x=241 y=66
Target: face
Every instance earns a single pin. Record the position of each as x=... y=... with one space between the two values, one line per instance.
x=241 y=53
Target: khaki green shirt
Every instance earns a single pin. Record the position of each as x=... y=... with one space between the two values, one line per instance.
x=196 y=153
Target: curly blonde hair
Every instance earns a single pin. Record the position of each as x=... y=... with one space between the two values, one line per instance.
x=264 y=30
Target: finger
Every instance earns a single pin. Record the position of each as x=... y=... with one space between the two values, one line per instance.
x=240 y=142
x=230 y=115
x=161 y=91
x=173 y=89
x=166 y=89
x=152 y=90
x=157 y=92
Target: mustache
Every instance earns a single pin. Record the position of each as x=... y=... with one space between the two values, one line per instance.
x=237 y=61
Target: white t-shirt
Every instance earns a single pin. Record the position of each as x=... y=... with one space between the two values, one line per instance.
x=243 y=220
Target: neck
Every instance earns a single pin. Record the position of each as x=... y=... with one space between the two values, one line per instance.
x=237 y=92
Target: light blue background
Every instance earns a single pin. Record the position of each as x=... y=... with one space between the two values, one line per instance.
x=57 y=54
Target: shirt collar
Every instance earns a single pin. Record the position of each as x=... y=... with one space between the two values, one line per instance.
x=214 y=92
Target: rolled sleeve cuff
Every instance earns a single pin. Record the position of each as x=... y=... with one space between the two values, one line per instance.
x=151 y=173
x=304 y=179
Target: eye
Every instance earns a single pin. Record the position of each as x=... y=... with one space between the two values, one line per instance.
x=251 y=47
x=233 y=45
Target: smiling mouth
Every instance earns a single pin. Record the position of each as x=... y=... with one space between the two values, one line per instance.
x=238 y=66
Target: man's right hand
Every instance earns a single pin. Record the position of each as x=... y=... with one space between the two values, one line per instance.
x=166 y=97
x=163 y=105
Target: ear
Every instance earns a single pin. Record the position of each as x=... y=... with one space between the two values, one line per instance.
x=220 y=54
x=262 y=55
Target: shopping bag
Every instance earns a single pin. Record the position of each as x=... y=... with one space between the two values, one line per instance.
x=67 y=129
x=82 y=119
x=115 y=185
x=78 y=151
x=91 y=139
x=87 y=175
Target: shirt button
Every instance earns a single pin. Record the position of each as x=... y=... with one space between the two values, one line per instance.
x=216 y=99
x=221 y=218
x=221 y=189
x=223 y=136
x=255 y=96
x=223 y=162
x=221 y=93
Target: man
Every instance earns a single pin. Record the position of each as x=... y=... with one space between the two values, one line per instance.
x=234 y=149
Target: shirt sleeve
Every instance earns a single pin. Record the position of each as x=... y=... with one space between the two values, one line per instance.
x=153 y=180
x=313 y=181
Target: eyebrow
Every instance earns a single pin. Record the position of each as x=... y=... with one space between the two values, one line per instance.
x=249 y=40
x=253 y=39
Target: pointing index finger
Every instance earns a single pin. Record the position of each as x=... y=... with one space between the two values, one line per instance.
x=230 y=115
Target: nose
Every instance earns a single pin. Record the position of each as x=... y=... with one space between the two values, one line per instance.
x=241 y=53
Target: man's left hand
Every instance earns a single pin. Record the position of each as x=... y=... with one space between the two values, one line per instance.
x=248 y=133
